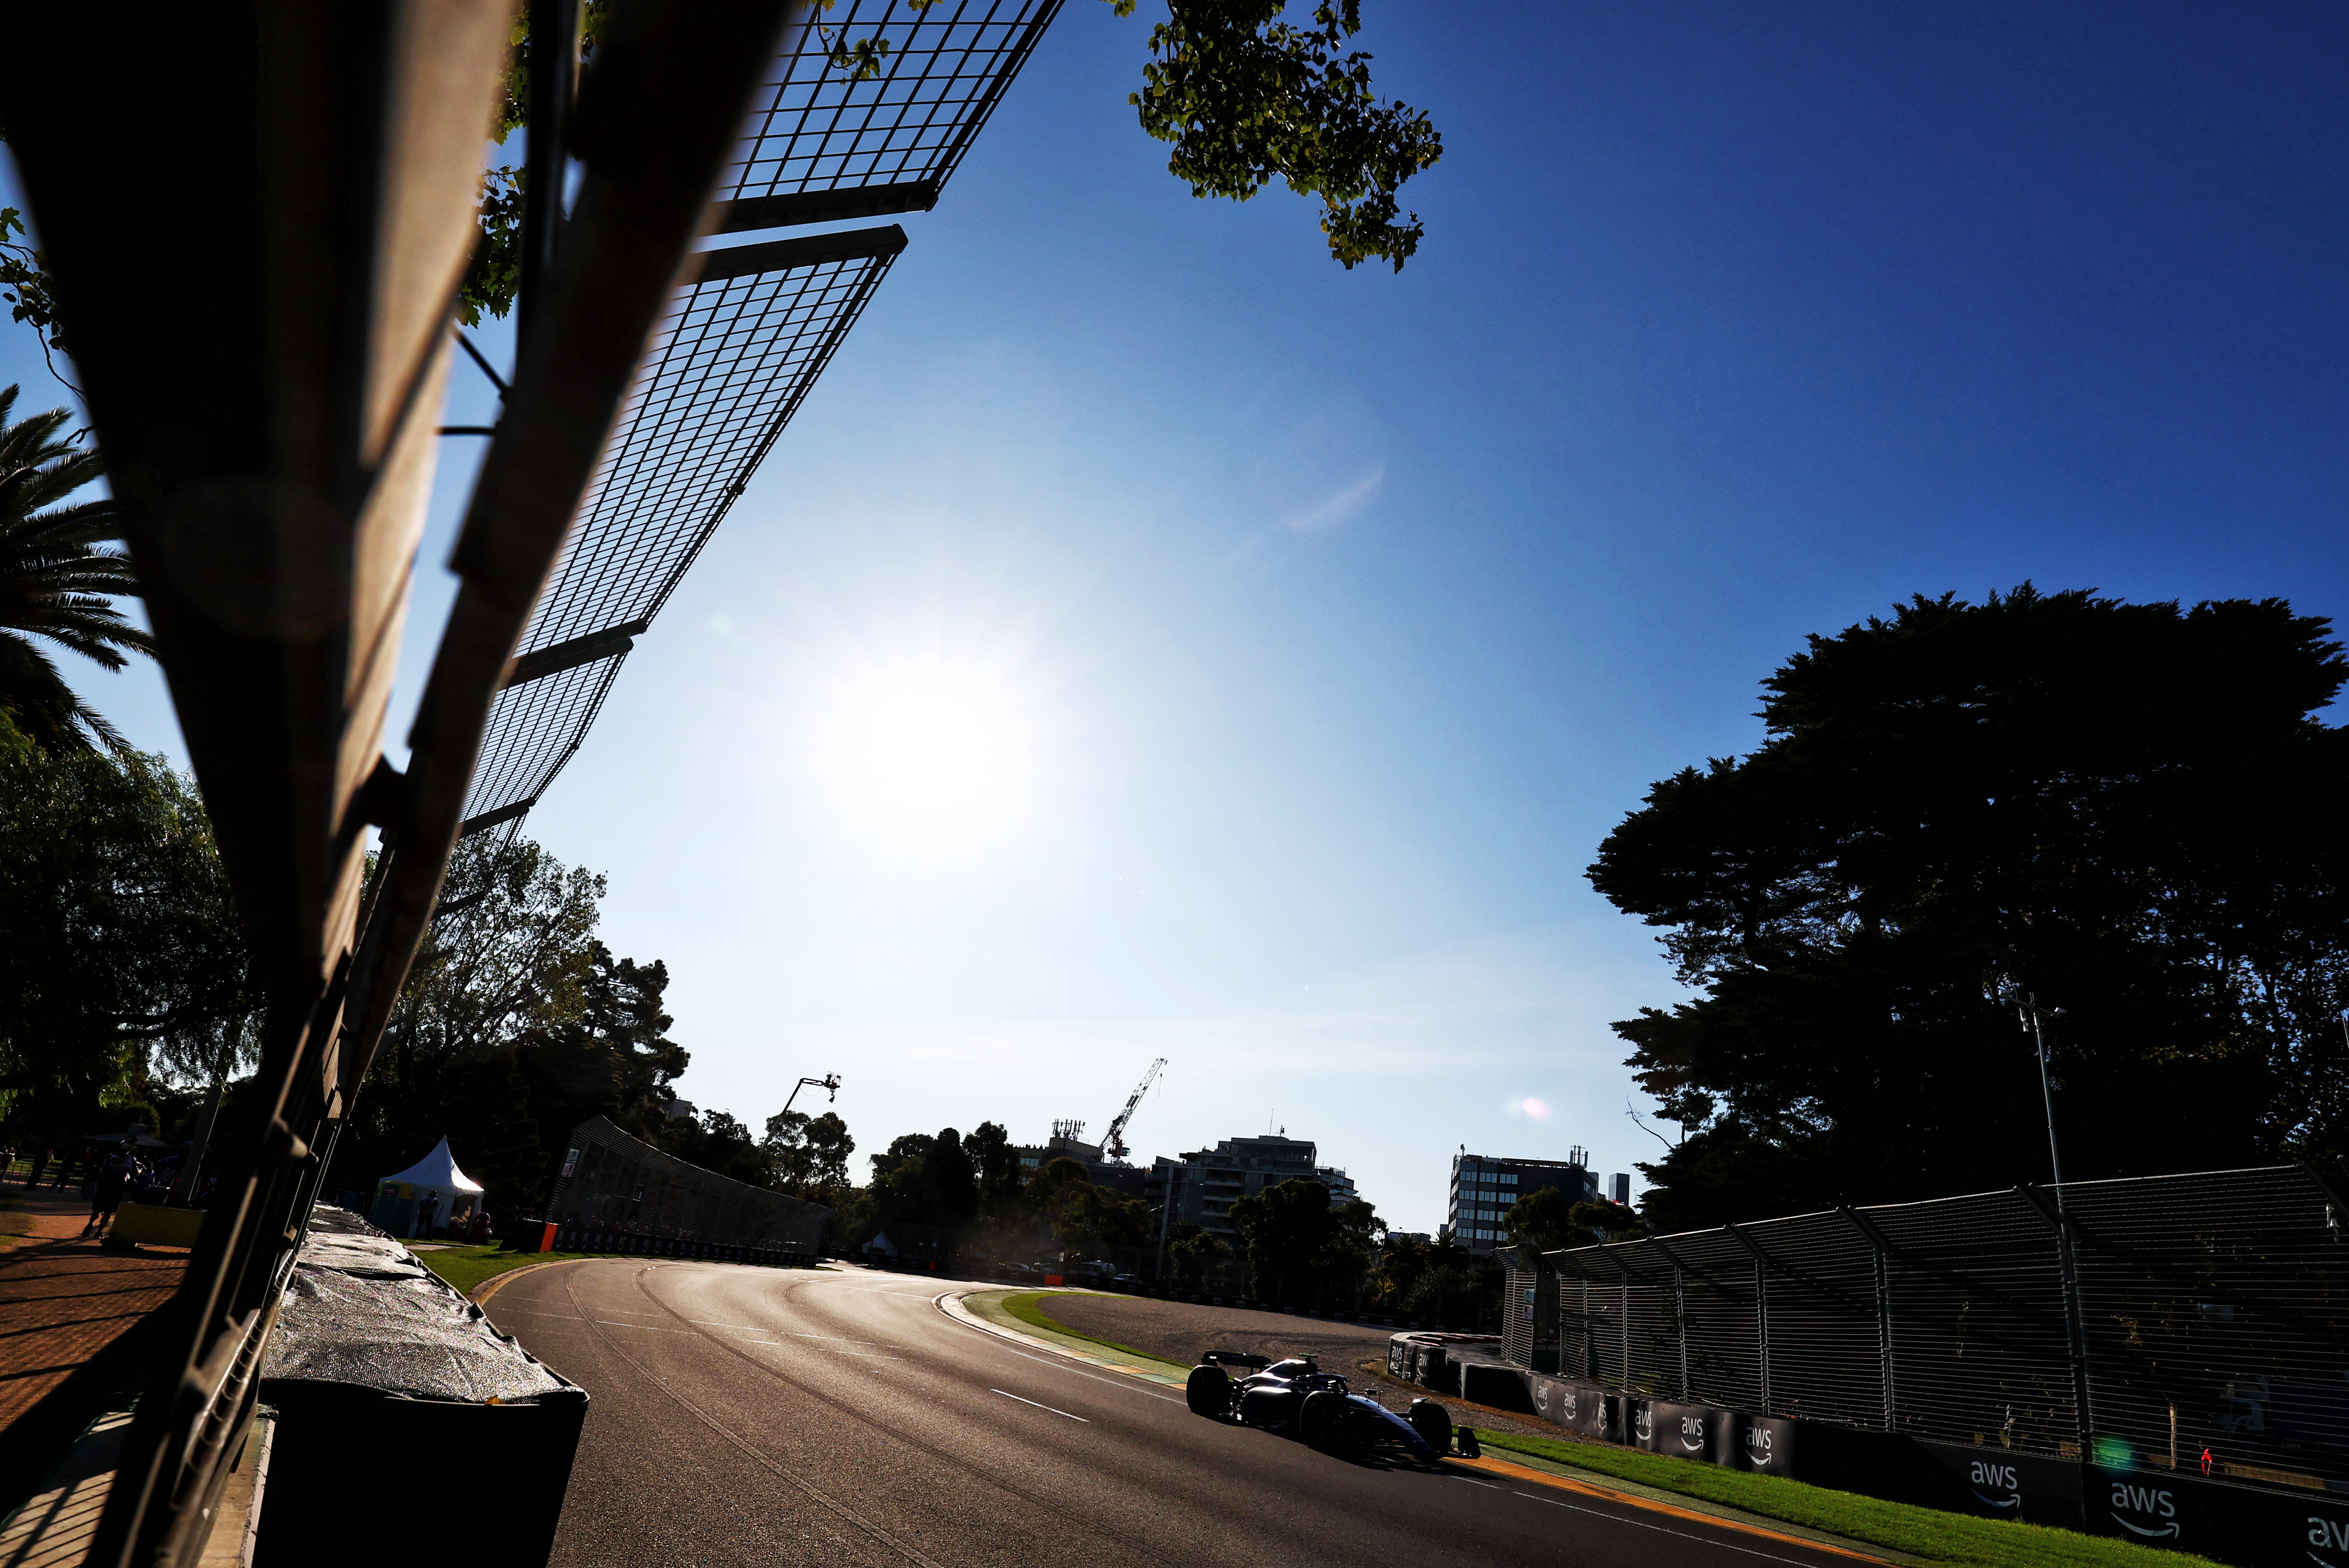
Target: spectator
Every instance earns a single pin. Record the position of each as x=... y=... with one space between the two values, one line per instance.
x=478 y=1233
x=40 y=1164
x=424 y=1207
x=106 y=1187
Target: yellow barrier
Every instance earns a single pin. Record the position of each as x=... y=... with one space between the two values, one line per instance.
x=158 y=1226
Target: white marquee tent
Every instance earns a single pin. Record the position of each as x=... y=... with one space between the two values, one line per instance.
x=435 y=1175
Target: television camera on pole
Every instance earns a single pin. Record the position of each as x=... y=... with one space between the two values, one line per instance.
x=829 y=1083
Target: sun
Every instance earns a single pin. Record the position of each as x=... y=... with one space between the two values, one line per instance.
x=931 y=756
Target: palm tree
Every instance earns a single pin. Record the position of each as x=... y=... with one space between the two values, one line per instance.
x=59 y=579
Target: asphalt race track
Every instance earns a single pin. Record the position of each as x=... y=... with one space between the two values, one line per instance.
x=761 y=1416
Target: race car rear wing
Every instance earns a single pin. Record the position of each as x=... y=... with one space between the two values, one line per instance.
x=1234 y=1358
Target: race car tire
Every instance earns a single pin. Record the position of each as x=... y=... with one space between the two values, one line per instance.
x=1319 y=1418
x=1208 y=1392
x=1433 y=1423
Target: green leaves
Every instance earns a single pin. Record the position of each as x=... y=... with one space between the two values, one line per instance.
x=24 y=280
x=59 y=577
x=24 y=285
x=493 y=276
x=120 y=950
x=1247 y=99
x=807 y=1156
x=1543 y=1221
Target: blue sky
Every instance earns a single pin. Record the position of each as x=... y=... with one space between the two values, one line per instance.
x=1301 y=632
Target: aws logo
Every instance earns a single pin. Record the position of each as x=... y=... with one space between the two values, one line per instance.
x=2001 y=1477
x=2332 y=1534
x=1644 y=1423
x=1692 y=1434
x=2151 y=1500
x=1759 y=1445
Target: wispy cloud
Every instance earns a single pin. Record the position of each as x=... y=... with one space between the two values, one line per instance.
x=1340 y=504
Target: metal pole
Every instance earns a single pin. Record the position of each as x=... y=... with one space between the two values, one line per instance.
x=1679 y=1314
x=1624 y=1373
x=2067 y=1264
x=184 y=1188
x=553 y=82
x=2030 y=1010
x=1884 y=1336
x=1881 y=1248
x=1761 y=1308
x=2075 y=1320
x=1166 y=1219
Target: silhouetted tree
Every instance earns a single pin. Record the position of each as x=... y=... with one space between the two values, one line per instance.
x=1194 y=1253
x=807 y=1157
x=1299 y=1246
x=996 y=1166
x=122 y=957
x=1543 y=1220
x=2130 y=811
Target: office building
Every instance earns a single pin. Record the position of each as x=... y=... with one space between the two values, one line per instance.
x=1619 y=1188
x=1483 y=1186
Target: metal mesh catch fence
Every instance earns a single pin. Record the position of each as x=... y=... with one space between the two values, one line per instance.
x=617 y=1186
x=736 y=354
x=534 y=728
x=870 y=113
x=2199 y=1322
x=901 y=115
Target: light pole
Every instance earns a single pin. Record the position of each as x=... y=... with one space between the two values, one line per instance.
x=2027 y=1009
x=2068 y=1266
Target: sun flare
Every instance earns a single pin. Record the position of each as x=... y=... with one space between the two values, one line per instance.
x=931 y=756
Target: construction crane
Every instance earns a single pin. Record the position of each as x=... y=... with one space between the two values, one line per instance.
x=1113 y=1146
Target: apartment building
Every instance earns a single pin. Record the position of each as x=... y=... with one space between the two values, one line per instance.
x=1203 y=1185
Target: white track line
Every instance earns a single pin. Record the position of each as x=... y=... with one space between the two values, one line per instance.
x=1009 y=1395
x=1008 y=1340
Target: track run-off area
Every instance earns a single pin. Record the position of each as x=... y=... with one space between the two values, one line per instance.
x=759 y=1416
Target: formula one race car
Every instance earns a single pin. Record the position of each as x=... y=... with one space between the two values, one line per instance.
x=1298 y=1396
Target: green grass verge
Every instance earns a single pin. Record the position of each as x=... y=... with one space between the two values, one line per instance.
x=1025 y=1308
x=466 y=1267
x=1954 y=1538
